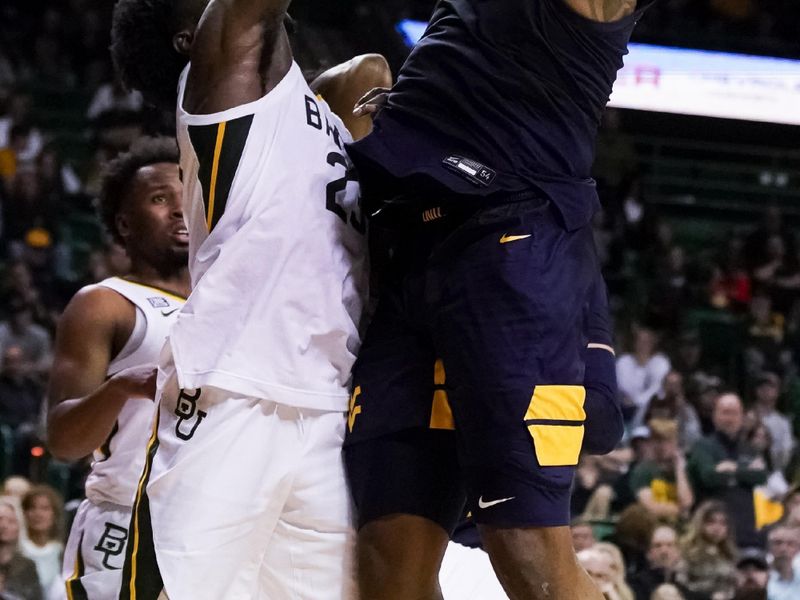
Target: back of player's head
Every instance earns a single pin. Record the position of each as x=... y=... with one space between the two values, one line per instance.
x=142 y=48
x=120 y=172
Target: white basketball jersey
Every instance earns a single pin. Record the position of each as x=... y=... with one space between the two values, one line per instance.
x=277 y=250
x=119 y=462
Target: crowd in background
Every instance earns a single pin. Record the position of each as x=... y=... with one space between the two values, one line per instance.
x=700 y=501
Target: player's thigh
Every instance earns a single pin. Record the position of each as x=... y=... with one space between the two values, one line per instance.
x=211 y=515
x=95 y=551
x=311 y=552
x=511 y=288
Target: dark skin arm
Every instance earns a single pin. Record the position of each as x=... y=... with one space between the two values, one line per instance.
x=239 y=53
x=343 y=85
x=83 y=403
x=603 y=11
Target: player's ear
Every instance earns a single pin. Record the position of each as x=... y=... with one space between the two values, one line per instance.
x=182 y=42
x=122 y=225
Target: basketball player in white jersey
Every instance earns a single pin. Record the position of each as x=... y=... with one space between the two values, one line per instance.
x=243 y=495
x=109 y=339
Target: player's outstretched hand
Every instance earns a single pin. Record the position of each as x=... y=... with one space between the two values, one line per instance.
x=139 y=381
x=372 y=102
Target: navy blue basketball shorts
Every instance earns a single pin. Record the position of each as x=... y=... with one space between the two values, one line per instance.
x=469 y=385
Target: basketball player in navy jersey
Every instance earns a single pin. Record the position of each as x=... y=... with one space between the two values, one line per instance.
x=109 y=339
x=470 y=382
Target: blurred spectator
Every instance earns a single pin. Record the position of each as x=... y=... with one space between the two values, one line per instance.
x=663 y=563
x=784 y=579
x=752 y=575
x=757 y=243
x=599 y=567
x=640 y=373
x=643 y=449
x=779 y=274
x=662 y=485
x=618 y=571
x=730 y=287
x=767 y=391
x=16 y=487
x=772 y=492
x=21 y=578
x=34 y=341
x=724 y=467
x=582 y=535
x=667 y=591
x=671 y=403
x=709 y=554
x=111 y=97
x=20 y=394
x=43 y=509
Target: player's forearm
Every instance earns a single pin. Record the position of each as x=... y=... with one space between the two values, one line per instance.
x=76 y=427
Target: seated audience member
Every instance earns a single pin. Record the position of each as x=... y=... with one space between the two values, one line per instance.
x=21 y=578
x=760 y=439
x=618 y=571
x=752 y=575
x=709 y=553
x=663 y=563
x=20 y=395
x=43 y=510
x=34 y=341
x=724 y=467
x=16 y=486
x=667 y=591
x=767 y=392
x=642 y=449
x=671 y=403
x=640 y=373
x=784 y=578
x=582 y=535
x=662 y=485
x=599 y=567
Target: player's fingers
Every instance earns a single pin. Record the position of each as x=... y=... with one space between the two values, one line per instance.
x=367 y=109
x=373 y=93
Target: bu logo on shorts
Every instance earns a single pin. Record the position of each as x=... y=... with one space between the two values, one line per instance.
x=186 y=410
x=112 y=543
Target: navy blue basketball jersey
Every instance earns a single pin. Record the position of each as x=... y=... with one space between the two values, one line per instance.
x=501 y=96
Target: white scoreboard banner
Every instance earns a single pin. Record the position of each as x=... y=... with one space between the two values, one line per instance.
x=711 y=84
x=697 y=82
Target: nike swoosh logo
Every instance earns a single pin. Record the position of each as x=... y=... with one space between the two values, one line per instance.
x=513 y=238
x=482 y=504
x=165 y=313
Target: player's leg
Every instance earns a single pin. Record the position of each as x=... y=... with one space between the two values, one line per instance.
x=311 y=553
x=202 y=521
x=409 y=497
x=511 y=288
x=401 y=461
x=95 y=551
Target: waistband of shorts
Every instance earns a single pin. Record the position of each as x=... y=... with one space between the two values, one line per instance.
x=426 y=210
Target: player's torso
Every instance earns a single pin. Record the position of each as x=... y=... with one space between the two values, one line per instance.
x=277 y=249
x=118 y=463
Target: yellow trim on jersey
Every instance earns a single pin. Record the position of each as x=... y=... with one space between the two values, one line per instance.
x=214 y=171
x=155 y=289
x=138 y=501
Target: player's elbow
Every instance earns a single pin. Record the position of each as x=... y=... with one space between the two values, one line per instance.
x=61 y=445
x=604 y=426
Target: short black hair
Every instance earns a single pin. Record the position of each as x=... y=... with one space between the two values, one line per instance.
x=142 y=51
x=120 y=171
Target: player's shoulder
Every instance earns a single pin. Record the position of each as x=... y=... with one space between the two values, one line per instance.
x=97 y=303
x=365 y=70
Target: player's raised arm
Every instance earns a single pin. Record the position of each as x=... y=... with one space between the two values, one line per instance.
x=603 y=11
x=83 y=406
x=343 y=85
x=239 y=52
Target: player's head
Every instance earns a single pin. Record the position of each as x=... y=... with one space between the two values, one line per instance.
x=151 y=41
x=141 y=204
